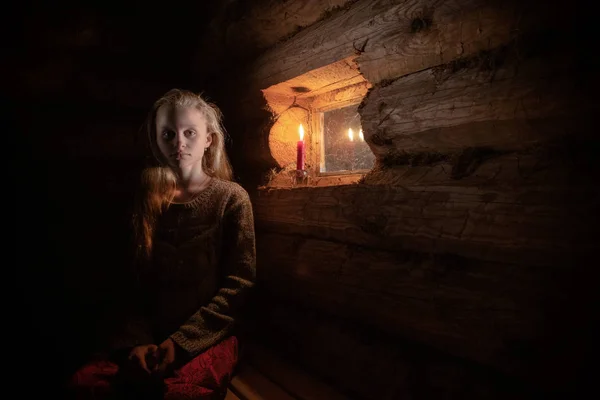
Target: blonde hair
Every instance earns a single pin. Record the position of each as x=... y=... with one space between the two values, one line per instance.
x=158 y=183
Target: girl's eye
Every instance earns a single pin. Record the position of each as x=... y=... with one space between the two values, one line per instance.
x=190 y=133
x=168 y=135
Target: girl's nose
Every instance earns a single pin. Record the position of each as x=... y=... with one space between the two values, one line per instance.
x=180 y=143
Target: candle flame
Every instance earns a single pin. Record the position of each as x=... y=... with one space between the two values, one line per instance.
x=350 y=135
x=301 y=132
x=361 y=136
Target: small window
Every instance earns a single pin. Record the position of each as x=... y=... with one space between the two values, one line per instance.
x=323 y=104
x=344 y=149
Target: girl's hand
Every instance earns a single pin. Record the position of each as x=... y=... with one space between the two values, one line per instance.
x=167 y=356
x=144 y=356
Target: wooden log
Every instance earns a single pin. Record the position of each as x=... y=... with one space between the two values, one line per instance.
x=334 y=352
x=508 y=107
x=471 y=309
x=501 y=135
x=284 y=136
x=362 y=362
x=519 y=221
x=334 y=77
x=429 y=33
x=285 y=180
x=388 y=37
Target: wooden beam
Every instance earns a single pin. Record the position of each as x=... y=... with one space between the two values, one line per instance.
x=502 y=135
x=390 y=40
x=365 y=363
x=417 y=35
x=513 y=209
x=499 y=100
x=337 y=353
x=471 y=309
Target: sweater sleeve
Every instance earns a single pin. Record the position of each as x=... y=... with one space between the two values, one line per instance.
x=214 y=321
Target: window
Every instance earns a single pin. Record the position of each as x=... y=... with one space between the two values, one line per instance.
x=343 y=148
x=322 y=103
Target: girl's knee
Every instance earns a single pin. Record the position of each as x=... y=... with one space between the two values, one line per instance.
x=93 y=378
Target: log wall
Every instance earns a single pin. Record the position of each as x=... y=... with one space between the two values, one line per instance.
x=472 y=235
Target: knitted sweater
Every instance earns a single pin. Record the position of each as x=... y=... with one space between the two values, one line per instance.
x=203 y=263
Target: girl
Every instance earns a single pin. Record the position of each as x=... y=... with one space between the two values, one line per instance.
x=195 y=249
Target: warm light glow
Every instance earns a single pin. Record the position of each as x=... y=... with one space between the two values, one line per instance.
x=301 y=132
x=361 y=136
x=350 y=135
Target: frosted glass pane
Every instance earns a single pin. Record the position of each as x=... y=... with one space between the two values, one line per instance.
x=345 y=151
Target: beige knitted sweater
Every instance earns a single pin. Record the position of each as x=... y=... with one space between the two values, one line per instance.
x=203 y=263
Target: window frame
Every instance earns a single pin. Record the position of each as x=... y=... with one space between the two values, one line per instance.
x=317 y=121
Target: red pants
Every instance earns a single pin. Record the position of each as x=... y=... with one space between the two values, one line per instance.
x=204 y=377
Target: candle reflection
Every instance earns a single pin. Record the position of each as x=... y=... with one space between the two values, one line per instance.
x=344 y=145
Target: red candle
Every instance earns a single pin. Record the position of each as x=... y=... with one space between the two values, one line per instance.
x=300 y=149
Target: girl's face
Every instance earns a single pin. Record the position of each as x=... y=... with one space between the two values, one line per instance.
x=181 y=135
